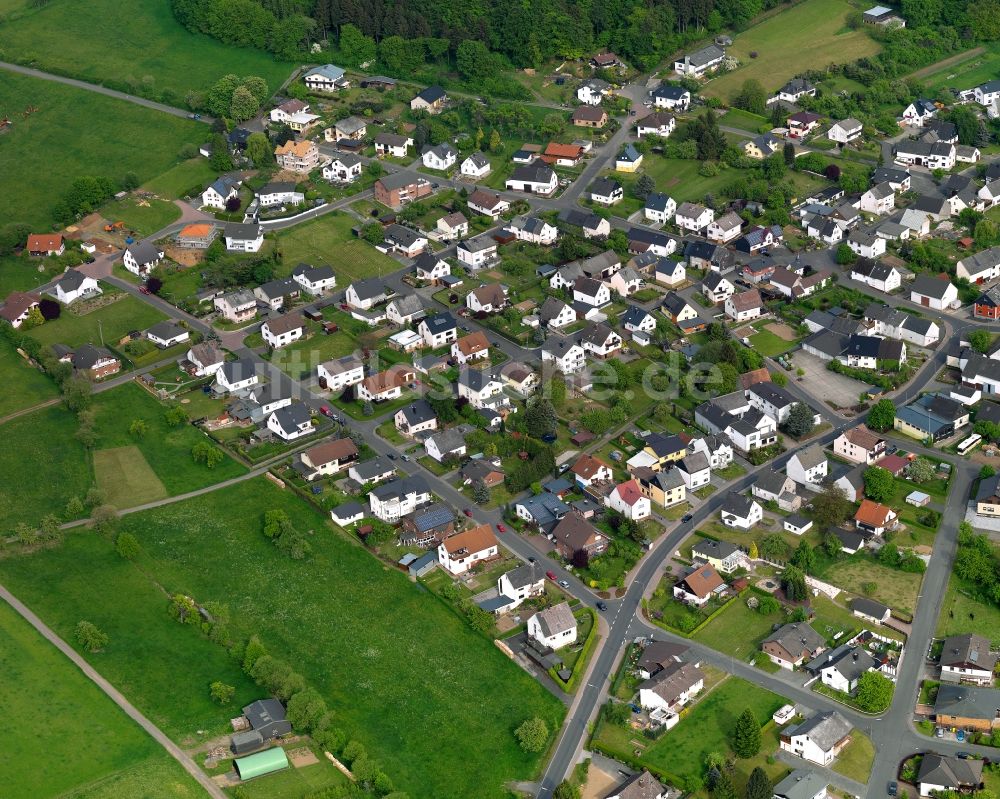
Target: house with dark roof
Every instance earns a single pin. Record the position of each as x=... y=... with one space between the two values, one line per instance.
x=818 y=739
x=793 y=644
x=942 y=773
x=967 y=707
x=967 y=658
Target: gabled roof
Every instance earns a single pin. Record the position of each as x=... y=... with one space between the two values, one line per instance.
x=873 y=514
x=432 y=94
x=825 y=730
x=556 y=619
x=968 y=650
x=703 y=580
x=951 y=772
x=796 y=638
x=930 y=286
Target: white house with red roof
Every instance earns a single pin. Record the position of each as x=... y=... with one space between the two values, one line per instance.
x=627 y=499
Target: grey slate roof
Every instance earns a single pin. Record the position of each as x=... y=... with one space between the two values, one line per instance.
x=951 y=772
x=800 y=784
x=796 y=637
x=823 y=729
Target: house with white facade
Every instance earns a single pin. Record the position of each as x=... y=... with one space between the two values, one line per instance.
x=554 y=627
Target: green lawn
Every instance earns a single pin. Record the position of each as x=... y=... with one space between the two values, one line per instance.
x=70 y=735
x=807 y=34
x=709 y=728
x=412 y=693
x=856 y=760
x=328 y=240
x=145 y=217
x=893 y=587
x=92 y=134
x=59 y=37
x=738 y=630
x=59 y=467
x=962 y=613
x=179 y=179
x=113 y=321
x=768 y=344
x=166 y=450
x=300 y=358
x=26 y=386
x=964 y=72
x=23 y=273
x=744 y=120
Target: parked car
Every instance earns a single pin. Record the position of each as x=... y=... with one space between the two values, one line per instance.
x=686 y=517
x=143 y=290
x=501 y=528
x=602 y=605
x=564 y=584
x=467 y=512
x=893 y=787
x=325 y=410
x=391 y=457
x=551 y=575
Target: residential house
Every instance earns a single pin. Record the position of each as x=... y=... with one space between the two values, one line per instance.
x=874 y=517
x=205 y=359
x=879 y=199
x=366 y=294
x=876 y=274
x=740 y=512
x=487 y=203
x=940 y=774
x=802 y=123
x=542 y=510
x=399 y=188
x=197 y=236
x=695 y=470
x=524 y=582
x=482 y=389
x=659 y=123
x=628 y=499
x=982 y=267
x=939 y=155
x=73 y=286
x=237 y=306
x=669 y=272
x=674 y=98
x=967 y=658
x=432 y=100
x=372 y=472
x=671 y=688
x=554 y=627
x=590 y=224
x=398 y=498
x=537 y=178
x=417 y=417
x=328 y=458
x=591 y=292
x=18 y=306
x=243 y=238
x=389 y=144
x=716 y=288
x=859 y=445
x=802 y=784
x=699 y=585
x=325 y=79
x=472 y=347
x=519 y=377
x=429 y=268
x=555 y=313
x=445 y=444
x=919 y=112
x=693 y=217
x=796 y=89
x=793 y=644
x=763 y=146
x=842 y=667
x=635 y=319
x=275 y=292
x=606 y=191
x=291 y=422
x=744 y=306
x=629 y=159
x=142 y=257
x=565 y=354
x=385 y=385
x=488 y=299
x=350 y=129
x=588 y=470
x=344 y=168
x=722 y=555
x=845 y=131
x=440 y=157
x=591 y=92
x=221 y=191
x=724 y=229
x=297 y=156
x=45 y=244
x=533 y=230
x=316 y=280
x=639 y=786
x=808 y=465
x=775 y=487
x=167 y=334
x=573 y=533
x=870 y=610
x=476 y=165
x=819 y=739
x=626 y=282
x=659 y=208
x=600 y=340
x=95 y=362
x=701 y=62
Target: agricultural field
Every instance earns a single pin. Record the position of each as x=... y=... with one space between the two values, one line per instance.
x=162 y=456
x=328 y=240
x=808 y=35
x=109 y=323
x=399 y=689
x=113 y=130
x=25 y=385
x=59 y=469
x=152 y=53
x=72 y=740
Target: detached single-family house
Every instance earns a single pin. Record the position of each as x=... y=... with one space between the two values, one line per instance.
x=142 y=257
x=693 y=217
x=933 y=292
x=472 y=347
x=870 y=610
x=440 y=157
x=939 y=774
x=591 y=92
x=392 y=145
x=876 y=274
x=589 y=116
x=724 y=556
x=459 y=553
x=628 y=499
x=445 y=444
x=802 y=123
x=487 y=203
x=566 y=355
x=740 y=512
x=73 y=286
x=243 y=238
x=659 y=123
x=796 y=89
x=879 y=199
x=476 y=165
x=344 y=168
x=845 y=131
x=818 y=739
x=554 y=627
x=716 y=288
x=699 y=585
x=291 y=422
x=326 y=79
x=297 y=156
x=793 y=644
x=874 y=517
x=606 y=191
x=859 y=445
x=315 y=280
x=641 y=786
x=17 y=307
x=919 y=112
x=673 y=98
x=537 y=178
x=659 y=207
x=697 y=64
x=432 y=100
x=330 y=457
x=967 y=658
x=744 y=306
x=220 y=192
x=237 y=306
x=167 y=334
x=573 y=533
x=671 y=688
x=808 y=465
x=725 y=228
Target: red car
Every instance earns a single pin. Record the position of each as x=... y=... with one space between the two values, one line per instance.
x=325 y=410
x=551 y=576
x=467 y=512
x=143 y=290
x=501 y=528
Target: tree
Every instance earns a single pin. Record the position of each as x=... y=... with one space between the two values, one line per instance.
x=921 y=470
x=259 y=150
x=759 y=786
x=50 y=527
x=644 y=186
x=221 y=160
x=305 y=709
x=746 y=735
x=356 y=48
x=793 y=583
x=90 y=637
x=540 y=418
x=788 y=152
x=845 y=255
x=751 y=97
x=104 y=518
x=980 y=340
x=723 y=787
x=480 y=493
x=127 y=546
x=882 y=416
x=244 y=105
x=175 y=416
x=800 y=420
x=184 y=609
x=495 y=142
x=986 y=472
x=566 y=790
x=138 y=428
x=154 y=284
x=874 y=692
x=221 y=693
x=50 y=309
x=831 y=506
x=804 y=557
x=880 y=485
x=77 y=393
x=130 y=181
x=253 y=651
x=533 y=734
x=373 y=233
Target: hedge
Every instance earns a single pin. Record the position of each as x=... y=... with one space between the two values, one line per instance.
x=701 y=624
x=581 y=662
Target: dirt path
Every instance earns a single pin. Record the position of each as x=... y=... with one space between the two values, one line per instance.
x=947 y=62
x=155 y=732
x=30 y=409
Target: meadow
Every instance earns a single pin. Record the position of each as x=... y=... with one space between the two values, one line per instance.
x=71 y=739
x=809 y=35
x=26 y=386
x=58 y=467
x=77 y=133
x=109 y=323
x=402 y=672
x=152 y=52
x=328 y=240
x=162 y=454
x=962 y=72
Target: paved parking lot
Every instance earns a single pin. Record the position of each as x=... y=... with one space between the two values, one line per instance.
x=823 y=384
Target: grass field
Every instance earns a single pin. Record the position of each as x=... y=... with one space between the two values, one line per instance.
x=71 y=739
x=177 y=180
x=894 y=588
x=26 y=386
x=964 y=72
x=59 y=37
x=144 y=219
x=807 y=35
x=856 y=760
x=962 y=613
x=738 y=630
x=293 y=783
x=680 y=179
x=113 y=321
x=59 y=468
x=328 y=240
x=91 y=134
x=413 y=693
x=21 y=273
x=744 y=120
x=125 y=477
x=709 y=728
x=164 y=452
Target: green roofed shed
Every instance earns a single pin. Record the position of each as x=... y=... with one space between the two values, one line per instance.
x=266 y=762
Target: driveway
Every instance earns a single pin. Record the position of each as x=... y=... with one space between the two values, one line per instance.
x=822 y=383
